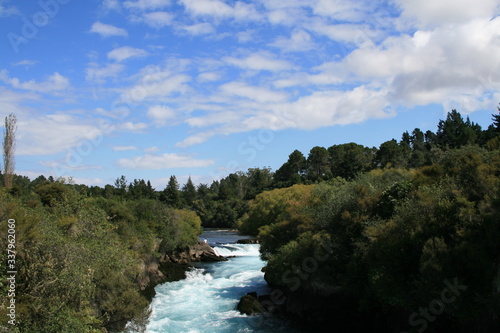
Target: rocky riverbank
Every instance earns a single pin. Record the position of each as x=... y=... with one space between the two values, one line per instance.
x=172 y=267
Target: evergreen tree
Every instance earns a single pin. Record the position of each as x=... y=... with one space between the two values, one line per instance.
x=291 y=171
x=350 y=159
x=496 y=121
x=171 y=194
x=318 y=166
x=189 y=192
x=454 y=132
x=121 y=186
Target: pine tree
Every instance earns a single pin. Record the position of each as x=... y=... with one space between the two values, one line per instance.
x=189 y=192
x=171 y=194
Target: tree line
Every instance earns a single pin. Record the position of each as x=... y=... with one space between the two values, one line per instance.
x=224 y=201
x=402 y=247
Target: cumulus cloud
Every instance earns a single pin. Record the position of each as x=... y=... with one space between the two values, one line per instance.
x=160 y=114
x=259 y=94
x=220 y=9
x=55 y=133
x=299 y=41
x=155 y=83
x=163 y=161
x=259 y=61
x=107 y=30
x=204 y=28
x=434 y=13
x=54 y=83
x=99 y=74
x=157 y=20
x=126 y=52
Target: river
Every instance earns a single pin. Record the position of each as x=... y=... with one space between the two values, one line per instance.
x=205 y=301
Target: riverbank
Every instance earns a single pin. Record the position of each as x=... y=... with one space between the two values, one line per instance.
x=205 y=301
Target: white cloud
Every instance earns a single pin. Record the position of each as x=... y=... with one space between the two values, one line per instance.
x=299 y=41
x=209 y=77
x=259 y=94
x=27 y=63
x=196 y=139
x=107 y=30
x=157 y=20
x=160 y=114
x=109 y=5
x=259 y=61
x=54 y=83
x=132 y=127
x=204 y=28
x=146 y=4
x=218 y=9
x=163 y=161
x=55 y=133
x=442 y=12
x=99 y=74
x=350 y=33
x=124 y=148
x=126 y=52
x=8 y=11
x=342 y=10
x=156 y=83
x=435 y=66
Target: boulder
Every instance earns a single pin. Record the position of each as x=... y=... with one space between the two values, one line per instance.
x=198 y=252
x=249 y=304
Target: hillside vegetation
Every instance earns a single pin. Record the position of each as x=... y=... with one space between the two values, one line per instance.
x=392 y=249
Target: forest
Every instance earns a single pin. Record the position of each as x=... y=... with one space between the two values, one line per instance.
x=400 y=219
x=409 y=246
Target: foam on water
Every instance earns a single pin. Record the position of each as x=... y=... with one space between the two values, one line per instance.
x=205 y=301
x=240 y=250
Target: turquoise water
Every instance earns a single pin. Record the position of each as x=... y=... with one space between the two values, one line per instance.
x=206 y=300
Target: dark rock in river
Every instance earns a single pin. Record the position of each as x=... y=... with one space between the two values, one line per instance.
x=198 y=252
x=172 y=267
x=249 y=304
x=248 y=241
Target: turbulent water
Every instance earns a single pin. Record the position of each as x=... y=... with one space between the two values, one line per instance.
x=206 y=300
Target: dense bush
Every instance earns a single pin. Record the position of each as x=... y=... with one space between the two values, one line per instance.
x=79 y=258
x=392 y=238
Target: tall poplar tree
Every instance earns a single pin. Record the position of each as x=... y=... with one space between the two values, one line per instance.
x=9 y=148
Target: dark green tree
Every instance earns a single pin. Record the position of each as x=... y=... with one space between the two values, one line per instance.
x=291 y=171
x=496 y=121
x=171 y=194
x=350 y=159
x=121 y=186
x=258 y=181
x=189 y=192
x=454 y=132
x=391 y=154
x=318 y=164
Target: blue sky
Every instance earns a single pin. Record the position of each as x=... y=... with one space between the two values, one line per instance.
x=202 y=88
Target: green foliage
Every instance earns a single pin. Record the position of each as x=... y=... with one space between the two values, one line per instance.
x=52 y=193
x=394 y=236
x=274 y=207
x=79 y=258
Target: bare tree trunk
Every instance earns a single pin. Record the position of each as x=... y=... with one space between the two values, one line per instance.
x=9 y=148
